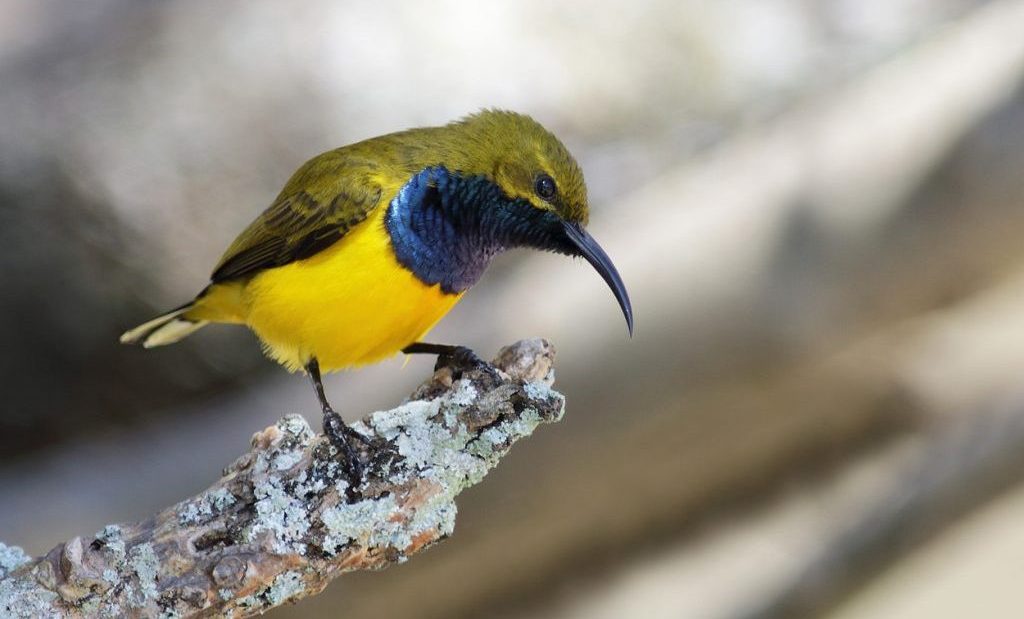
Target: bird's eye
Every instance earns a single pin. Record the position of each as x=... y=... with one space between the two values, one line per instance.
x=545 y=187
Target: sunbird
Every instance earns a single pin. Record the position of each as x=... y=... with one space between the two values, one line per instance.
x=369 y=245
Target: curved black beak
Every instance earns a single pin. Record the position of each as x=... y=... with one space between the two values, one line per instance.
x=587 y=247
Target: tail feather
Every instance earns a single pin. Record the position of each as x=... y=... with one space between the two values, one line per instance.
x=165 y=329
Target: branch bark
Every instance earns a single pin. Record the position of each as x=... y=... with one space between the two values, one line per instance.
x=283 y=522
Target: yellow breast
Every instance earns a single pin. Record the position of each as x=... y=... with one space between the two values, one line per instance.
x=348 y=305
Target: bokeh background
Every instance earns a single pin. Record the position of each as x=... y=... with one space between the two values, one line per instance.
x=818 y=206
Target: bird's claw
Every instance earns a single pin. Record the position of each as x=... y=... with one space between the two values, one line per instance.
x=341 y=436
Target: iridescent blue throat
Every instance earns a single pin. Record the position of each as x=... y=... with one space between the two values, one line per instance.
x=446 y=227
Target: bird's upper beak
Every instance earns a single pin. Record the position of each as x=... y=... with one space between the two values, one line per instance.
x=589 y=249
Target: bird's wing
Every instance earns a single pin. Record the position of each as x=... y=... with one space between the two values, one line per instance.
x=324 y=199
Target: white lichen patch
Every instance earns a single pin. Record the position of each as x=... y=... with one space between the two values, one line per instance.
x=304 y=486
x=297 y=427
x=278 y=511
x=144 y=563
x=206 y=506
x=220 y=499
x=499 y=437
x=437 y=514
x=538 y=390
x=285 y=587
x=286 y=460
x=494 y=435
x=415 y=445
x=372 y=523
x=427 y=433
x=289 y=449
x=445 y=519
x=11 y=558
x=361 y=427
x=249 y=601
x=24 y=598
x=389 y=423
x=110 y=534
x=414 y=433
x=366 y=522
x=281 y=514
x=521 y=426
x=192 y=512
x=418 y=443
x=110 y=537
x=110 y=575
x=463 y=393
x=455 y=467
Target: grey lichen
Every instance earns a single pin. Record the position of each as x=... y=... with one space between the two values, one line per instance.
x=365 y=522
x=406 y=428
x=204 y=507
x=538 y=390
x=286 y=460
x=11 y=558
x=110 y=575
x=25 y=599
x=438 y=514
x=20 y=598
x=436 y=445
x=144 y=563
x=428 y=433
x=286 y=586
x=247 y=602
x=298 y=427
x=281 y=514
x=220 y=499
x=463 y=393
x=112 y=544
x=110 y=537
x=278 y=511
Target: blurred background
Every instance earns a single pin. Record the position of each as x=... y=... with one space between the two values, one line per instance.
x=818 y=207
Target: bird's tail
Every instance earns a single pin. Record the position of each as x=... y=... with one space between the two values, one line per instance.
x=165 y=329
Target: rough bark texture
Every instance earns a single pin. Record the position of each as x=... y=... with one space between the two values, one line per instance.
x=283 y=522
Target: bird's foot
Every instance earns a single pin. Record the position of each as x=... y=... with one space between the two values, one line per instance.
x=341 y=436
x=455 y=357
x=464 y=358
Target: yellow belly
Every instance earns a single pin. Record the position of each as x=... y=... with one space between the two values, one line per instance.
x=348 y=305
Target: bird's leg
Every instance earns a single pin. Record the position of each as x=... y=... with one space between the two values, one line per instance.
x=339 y=434
x=460 y=356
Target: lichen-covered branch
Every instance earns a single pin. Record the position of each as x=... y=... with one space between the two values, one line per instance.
x=283 y=521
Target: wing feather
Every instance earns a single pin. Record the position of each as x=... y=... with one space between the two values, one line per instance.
x=325 y=198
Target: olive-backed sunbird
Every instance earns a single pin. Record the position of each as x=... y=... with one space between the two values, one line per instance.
x=369 y=245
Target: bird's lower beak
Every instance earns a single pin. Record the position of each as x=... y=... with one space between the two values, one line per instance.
x=589 y=249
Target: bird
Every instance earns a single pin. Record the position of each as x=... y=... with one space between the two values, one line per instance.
x=369 y=245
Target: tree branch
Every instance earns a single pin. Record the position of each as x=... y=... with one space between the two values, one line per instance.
x=282 y=522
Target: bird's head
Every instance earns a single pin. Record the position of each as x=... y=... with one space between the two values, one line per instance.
x=531 y=166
